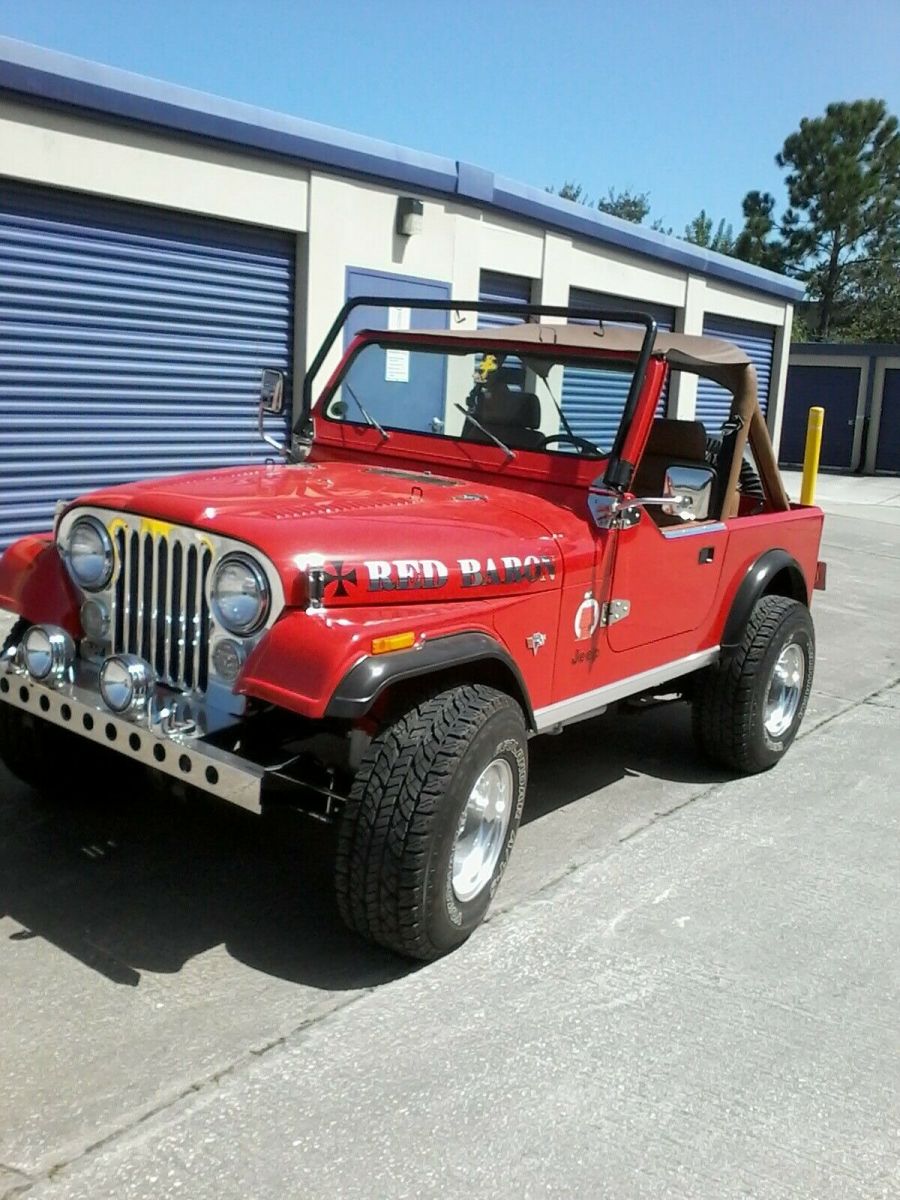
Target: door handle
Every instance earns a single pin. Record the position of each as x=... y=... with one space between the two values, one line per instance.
x=707 y=554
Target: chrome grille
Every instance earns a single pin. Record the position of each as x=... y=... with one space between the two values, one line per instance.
x=159 y=603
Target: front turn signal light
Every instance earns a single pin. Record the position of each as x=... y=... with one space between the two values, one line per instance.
x=393 y=641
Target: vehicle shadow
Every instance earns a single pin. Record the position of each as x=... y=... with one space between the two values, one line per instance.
x=592 y=755
x=127 y=879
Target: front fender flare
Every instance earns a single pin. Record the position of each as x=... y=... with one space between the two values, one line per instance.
x=364 y=683
x=755 y=584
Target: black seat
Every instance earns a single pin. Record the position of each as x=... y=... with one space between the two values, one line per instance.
x=513 y=417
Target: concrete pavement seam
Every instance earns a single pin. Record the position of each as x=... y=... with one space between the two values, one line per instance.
x=25 y=1181
x=199 y=1087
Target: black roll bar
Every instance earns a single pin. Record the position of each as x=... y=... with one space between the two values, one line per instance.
x=618 y=473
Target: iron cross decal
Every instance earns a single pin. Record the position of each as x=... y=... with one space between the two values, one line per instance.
x=335 y=573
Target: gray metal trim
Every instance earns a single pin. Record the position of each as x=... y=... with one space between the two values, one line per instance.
x=676 y=531
x=72 y=708
x=593 y=703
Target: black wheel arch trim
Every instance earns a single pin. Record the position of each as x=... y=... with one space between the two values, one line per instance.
x=364 y=682
x=755 y=584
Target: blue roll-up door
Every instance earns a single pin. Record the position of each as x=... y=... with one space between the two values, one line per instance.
x=713 y=401
x=593 y=400
x=887 y=454
x=836 y=389
x=131 y=344
x=495 y=285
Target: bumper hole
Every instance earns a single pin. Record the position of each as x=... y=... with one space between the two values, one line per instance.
x=184 y=764
x=111 y=733
x=4 y=686
x=65 y=712
x=44 y=702
x=23 y=694
x=212 y=775
x=134 y=742
x=88 y=722
x=159 y=753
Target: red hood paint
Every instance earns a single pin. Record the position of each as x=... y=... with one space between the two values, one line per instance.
x=405 y=536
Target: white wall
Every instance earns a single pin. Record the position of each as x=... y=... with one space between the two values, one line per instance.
x=60 y=150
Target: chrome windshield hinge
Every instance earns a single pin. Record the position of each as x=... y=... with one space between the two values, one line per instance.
x=614 y=610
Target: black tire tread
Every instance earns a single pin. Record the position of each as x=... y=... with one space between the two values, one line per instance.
x=723 y=707
x=382 y=858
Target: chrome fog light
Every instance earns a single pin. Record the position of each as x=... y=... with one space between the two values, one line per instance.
x=95 y=620
x=126 y=684
x=48 y=653
x=227 y=659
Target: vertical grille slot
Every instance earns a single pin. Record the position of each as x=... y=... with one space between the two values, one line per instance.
x=159 y=602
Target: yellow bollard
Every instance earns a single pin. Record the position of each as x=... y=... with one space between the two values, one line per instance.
x=814 y=426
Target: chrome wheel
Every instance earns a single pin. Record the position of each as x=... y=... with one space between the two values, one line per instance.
x=785 y=690
x=482 y=830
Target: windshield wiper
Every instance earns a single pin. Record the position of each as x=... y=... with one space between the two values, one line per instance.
x=562 y=416
x=487 y=433
x=371 y=420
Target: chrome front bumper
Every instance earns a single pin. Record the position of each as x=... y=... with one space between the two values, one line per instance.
x=189 y=759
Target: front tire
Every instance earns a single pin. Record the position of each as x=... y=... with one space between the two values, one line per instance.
x=747 y=709
x=431 y=819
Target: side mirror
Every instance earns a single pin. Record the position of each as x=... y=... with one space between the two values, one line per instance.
x=271 y=400
x=691 y=492
x=271 y=391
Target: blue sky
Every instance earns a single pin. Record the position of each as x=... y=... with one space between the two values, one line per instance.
x=688 y=101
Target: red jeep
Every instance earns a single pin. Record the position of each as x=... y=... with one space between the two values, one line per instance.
x=447 y=562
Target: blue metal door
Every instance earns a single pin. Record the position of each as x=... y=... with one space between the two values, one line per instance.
x=407 y=391
x=836 y=389
x=131 y=344
x=592 y=400
x=887 y=454
x=713 y=401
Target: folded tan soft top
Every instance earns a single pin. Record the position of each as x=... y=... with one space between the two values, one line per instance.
x=711 y=357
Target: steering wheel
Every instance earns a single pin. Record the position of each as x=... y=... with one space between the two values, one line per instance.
x=572 y=439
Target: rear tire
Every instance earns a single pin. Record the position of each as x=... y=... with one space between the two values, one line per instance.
x=431 y=819
x=748 y=707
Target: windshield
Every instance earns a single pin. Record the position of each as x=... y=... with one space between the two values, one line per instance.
x=543 y=403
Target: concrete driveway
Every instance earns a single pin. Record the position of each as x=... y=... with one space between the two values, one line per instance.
x=689 y=986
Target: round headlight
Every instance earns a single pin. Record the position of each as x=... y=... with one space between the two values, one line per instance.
x=89 y=553
x=240 y=595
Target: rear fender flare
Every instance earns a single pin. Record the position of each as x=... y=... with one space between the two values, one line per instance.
x=774 y=572
x=359 y=689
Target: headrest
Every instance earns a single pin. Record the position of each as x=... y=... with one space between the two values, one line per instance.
x=678 y=439
x=500 y=406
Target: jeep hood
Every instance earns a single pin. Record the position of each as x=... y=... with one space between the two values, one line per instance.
x=368 y=534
